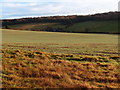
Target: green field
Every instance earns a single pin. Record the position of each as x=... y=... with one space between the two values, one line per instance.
x=95 y=26
x=54 y=42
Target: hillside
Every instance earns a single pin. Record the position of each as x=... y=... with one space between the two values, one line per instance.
x=89 y=26
x=98 y=23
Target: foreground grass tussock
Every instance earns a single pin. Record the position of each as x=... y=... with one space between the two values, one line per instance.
x=35 y=69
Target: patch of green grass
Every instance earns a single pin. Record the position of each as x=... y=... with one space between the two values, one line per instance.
x=95 y=26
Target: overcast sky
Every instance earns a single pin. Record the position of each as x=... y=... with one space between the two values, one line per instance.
x=33 y=8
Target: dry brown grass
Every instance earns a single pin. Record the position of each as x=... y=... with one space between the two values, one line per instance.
x=27 y=69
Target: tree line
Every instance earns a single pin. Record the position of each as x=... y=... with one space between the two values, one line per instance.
x=67 y=20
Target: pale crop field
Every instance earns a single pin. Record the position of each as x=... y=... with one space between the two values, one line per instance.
x=57 y=42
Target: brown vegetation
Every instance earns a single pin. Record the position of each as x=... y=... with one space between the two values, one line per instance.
x=35 y=69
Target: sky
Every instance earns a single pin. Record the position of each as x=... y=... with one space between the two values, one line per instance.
x=35 y=8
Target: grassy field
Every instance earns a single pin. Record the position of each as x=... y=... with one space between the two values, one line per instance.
x=32 y=59
x=88 y=26
x=61 y=42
